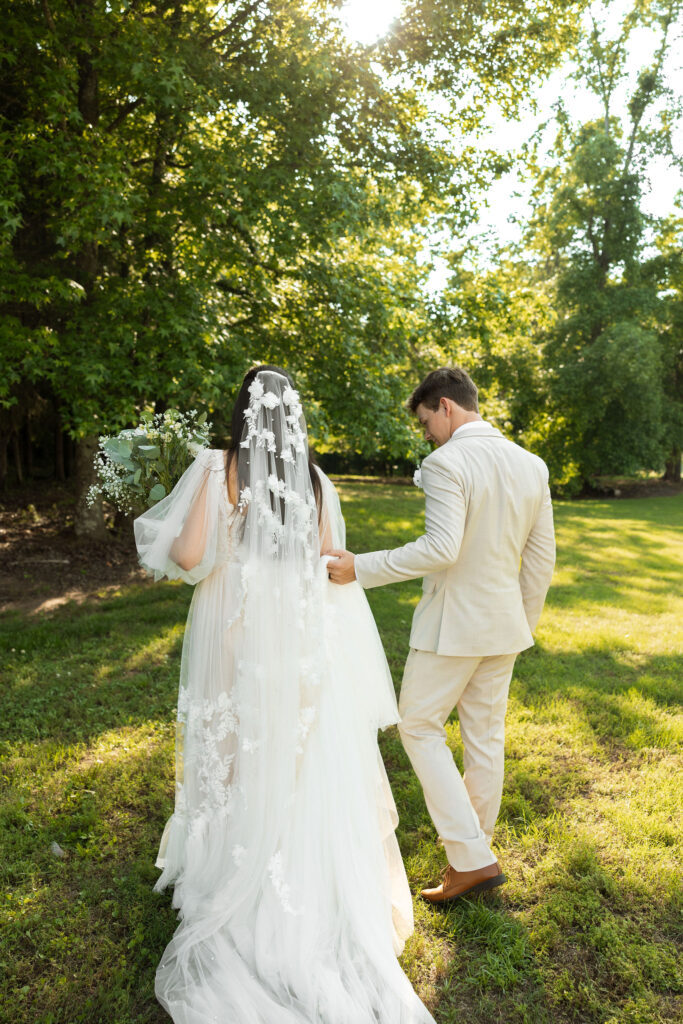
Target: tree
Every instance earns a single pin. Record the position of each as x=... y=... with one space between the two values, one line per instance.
x=190 y=186
x=604 y=361
x=666 y=272
x=491 y=320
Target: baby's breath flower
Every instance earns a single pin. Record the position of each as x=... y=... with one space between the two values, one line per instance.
x=116 y=482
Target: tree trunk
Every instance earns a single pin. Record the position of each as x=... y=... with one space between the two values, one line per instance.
x=69 y=455
x=59 y=451
x=673 y=467
x=16 y=452
x=88 y=519
x=3 y=462
x=123 y=523
x=28 y=449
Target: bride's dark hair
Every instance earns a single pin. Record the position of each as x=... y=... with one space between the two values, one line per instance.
x=237 y=426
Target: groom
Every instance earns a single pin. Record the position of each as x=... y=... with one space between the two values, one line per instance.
x=487 y=557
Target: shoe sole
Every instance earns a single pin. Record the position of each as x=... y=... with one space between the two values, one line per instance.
x=485 y=886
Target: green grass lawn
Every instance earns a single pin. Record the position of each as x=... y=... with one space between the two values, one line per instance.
x=588 y=927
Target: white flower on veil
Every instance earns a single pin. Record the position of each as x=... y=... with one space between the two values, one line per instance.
x=270 y=400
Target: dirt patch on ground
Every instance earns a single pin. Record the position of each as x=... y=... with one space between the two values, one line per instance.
x=42 y=562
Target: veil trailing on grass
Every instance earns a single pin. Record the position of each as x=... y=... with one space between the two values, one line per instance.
x=292 y=897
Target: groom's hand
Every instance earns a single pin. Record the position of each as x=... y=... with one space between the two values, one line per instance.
x=341 y=566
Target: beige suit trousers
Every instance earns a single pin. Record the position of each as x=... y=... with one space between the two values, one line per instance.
x=463 y=808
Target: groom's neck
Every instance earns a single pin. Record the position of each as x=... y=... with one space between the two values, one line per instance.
x=460 y=418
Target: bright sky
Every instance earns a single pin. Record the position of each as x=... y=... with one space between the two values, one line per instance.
x=366 y=20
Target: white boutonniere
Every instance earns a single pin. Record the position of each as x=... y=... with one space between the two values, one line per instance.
x=417 y=477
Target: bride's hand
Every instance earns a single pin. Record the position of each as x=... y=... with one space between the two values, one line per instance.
x=341 y=566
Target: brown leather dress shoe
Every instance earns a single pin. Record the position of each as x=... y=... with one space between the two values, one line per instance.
x=455 y=884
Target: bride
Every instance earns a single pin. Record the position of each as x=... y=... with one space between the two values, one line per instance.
x=292 y=897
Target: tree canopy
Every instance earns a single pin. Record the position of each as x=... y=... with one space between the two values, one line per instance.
x=191 y=187
x=577 y=326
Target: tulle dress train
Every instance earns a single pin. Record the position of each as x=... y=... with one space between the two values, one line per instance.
x=291 y=893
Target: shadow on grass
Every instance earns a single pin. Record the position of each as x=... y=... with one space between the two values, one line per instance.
x=86 y=669
x=617 y=701
x=564 y=712
x=578 y=936
x=85 y=933
x=581 y=955
x=620 y=554
x=497 y=978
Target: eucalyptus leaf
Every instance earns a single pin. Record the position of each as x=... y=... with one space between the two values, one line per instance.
x=157 y=492
x=115 y=447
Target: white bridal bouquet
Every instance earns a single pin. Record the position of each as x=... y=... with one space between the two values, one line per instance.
x=138 y=467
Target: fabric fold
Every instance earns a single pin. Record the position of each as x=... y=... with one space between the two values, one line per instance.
x=292 y=898
x=188 y=527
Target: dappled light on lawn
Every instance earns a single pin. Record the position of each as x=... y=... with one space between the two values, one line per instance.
x=589 y=832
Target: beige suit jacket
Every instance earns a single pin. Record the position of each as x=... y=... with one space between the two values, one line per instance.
x=488 y=551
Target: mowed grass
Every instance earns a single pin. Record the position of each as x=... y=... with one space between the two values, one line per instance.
x=588 y=928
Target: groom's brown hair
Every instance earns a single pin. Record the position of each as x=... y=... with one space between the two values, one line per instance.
x=447 y=382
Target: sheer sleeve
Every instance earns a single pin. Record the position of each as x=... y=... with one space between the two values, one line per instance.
x=351 y=611
x=180 y=536
x=332 y=525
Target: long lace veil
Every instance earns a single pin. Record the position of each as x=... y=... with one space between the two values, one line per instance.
x=282 y=575
x=241 y=764
x=293 y=897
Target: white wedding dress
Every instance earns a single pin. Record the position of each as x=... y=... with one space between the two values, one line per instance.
x=292 y=896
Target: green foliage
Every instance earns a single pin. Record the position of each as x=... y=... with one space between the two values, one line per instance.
x=575 y=333
x=490 y=323
x=614 y=391
x=605 y=409
x=666 y=272
x=189 y=188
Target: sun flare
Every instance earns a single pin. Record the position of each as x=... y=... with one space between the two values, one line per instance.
x=367 y=20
